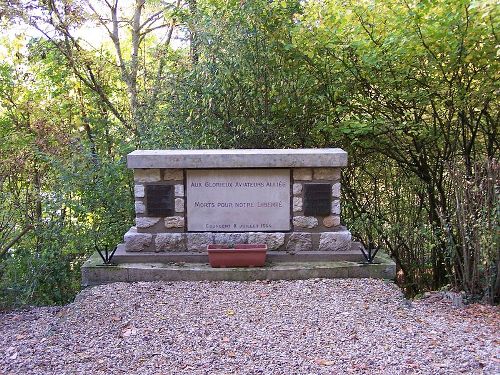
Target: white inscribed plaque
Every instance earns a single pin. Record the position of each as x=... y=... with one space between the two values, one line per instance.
x=238 y=200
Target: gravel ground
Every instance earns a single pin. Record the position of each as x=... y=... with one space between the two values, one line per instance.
x=283 y=327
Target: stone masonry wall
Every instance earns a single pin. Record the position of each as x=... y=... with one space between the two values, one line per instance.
x=301 y=176
x=166 y=234
x=145 y=224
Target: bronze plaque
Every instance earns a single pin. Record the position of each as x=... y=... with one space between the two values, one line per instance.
x=317 y=199
x=160 y=200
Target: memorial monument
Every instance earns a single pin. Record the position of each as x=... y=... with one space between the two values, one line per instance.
x=185 y=200
x=288 y=199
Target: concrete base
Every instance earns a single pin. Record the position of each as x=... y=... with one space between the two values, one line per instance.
x=166 y=267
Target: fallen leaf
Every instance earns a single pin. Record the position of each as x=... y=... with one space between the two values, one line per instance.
x=230 y=312
x=13 y=356
x=225 y=339
x=324 y=362
x=231 y=354
x=129 y=331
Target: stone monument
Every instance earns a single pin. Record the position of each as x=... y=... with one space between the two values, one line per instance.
x=188 y=199
x=288 y=199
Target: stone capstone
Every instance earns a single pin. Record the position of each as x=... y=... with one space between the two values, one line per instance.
x=297 y=204
x=240 y=158
x=146 y=222
x=299 y=241
x=305 y=222
x=170 y=242
x=137 y=241
x=146 y=175
x=331 y=221
x=179 y=204
x=230 y=238
x=302 y=174
x=199 y=241
x=273 y=240
x=327 y=174
x=139 y=191
x=173 y=174
x=335 y=241
x=174 y=222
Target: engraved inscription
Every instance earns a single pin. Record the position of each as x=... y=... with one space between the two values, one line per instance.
x=160 y=200
x=317 y=199
x=238 y=200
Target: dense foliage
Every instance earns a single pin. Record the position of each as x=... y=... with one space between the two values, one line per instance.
x=409 y=89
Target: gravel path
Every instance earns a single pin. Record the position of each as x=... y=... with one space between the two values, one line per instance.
x=285 y=327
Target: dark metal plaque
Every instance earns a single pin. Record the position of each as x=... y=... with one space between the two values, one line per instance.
x=160 y=200
x=317 y=199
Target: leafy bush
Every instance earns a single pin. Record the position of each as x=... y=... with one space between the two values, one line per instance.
x=472 y=229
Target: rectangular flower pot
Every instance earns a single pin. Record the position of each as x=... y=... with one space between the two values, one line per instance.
x=242 y=255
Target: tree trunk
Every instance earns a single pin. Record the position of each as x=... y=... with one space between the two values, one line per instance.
x=193 y=37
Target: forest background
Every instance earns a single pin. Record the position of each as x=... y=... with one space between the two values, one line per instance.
x=408 y=88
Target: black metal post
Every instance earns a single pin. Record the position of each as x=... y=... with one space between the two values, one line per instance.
x=107 y=256
x=370 y=253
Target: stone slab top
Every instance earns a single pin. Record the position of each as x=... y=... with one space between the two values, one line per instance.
x=240 y=158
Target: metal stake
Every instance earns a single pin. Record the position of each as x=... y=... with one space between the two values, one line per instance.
x=107 y=256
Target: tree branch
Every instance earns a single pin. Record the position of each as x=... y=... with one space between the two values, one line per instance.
x=15 y=240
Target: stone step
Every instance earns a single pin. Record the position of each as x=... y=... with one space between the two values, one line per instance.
x=352 y=255
x=94 y=273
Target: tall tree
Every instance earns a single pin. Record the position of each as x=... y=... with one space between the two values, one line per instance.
x=140 y=32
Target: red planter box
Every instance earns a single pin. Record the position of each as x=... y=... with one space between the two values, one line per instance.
x=242 y=255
